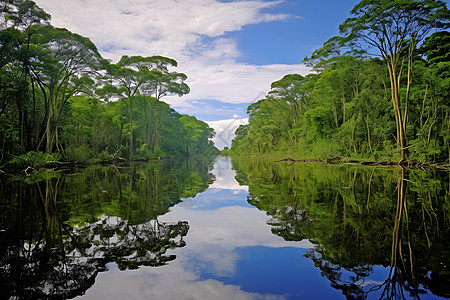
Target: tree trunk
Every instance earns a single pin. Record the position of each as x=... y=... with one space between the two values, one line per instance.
x=131 y=126
x=50 y=134
x=147 y=126
x=343 y=108
x=412 y=46
x=368 y=135
x=394 y=76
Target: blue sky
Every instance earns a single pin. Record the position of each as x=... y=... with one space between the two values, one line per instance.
x=289 y=41
x=231 y=51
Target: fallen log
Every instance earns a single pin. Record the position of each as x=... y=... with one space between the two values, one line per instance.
x=340 y=160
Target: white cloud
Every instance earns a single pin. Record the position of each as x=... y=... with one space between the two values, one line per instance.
x=232 y=82
x=148 y=27
x=190 y=31
x=225 y=130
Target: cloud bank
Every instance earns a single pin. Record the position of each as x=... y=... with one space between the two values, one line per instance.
x=225 y=130
x=164 y=27
x=193 y=32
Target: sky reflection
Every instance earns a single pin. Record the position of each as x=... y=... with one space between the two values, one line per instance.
x=231 y=253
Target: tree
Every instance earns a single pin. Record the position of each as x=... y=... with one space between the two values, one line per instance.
x=62 y=69
x=18 y=23
x=165 y=83
x=291 y=89
x=196 y=135
x=145 y=76
x=395 y=28
x=433 y=111
x=21 y=14
x=131 y=74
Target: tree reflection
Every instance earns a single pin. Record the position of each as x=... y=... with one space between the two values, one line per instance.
x=394 y=286
x=361 y=220
x=58 y=231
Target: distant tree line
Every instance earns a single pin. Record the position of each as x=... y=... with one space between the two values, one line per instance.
x=58 y=96
x=379 y=91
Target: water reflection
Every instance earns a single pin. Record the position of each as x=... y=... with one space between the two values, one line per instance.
x=251 y=230
x=58 y=231
x=378 y=233
x=225 y=232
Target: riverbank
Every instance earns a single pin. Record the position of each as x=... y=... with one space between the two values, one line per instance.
x=34 y=162
x=71 y=165
x=345 y=160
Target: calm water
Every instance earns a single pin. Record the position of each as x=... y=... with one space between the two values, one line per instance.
x=241 y=229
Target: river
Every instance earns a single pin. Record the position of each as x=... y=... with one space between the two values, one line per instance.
x=247 y=228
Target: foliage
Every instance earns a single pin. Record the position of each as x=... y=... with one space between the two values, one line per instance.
x=394 y=29
x=344 y=109
x=58 y=95
x=32 y=158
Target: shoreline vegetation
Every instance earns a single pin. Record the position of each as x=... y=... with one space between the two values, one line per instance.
x=403 y=164
x=348 y=160
x=379 y=94
x=28 y=167
x=62 y=103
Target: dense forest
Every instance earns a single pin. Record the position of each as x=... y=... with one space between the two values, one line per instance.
x=61 y=100
x=380 y=91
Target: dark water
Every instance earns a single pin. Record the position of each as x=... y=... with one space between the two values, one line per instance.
x=241 y=229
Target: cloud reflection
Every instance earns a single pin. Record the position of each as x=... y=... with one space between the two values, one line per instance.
x=225 y=176
x=215 y=235
x=170 y=282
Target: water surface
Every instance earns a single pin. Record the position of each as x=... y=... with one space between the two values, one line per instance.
x=241 y=229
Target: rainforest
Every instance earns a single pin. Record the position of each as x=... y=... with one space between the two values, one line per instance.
x=337 y=187
x=61 y=101
x=392 y=105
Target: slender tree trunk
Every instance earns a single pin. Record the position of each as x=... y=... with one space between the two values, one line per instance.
x=408 y=84
x=147 y=126
x=394 y=75
x=35 y=133
x=50 y=134
x=131 y=126
x=368 y=135
x=343 y=108
x=423 y=108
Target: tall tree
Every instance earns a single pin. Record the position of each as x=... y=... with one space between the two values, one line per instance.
x=62 y=71
x=292 y=90
x=131 y=73
x=165 y=83
x=146 y=76
x=18 y=23
x=395 y=28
